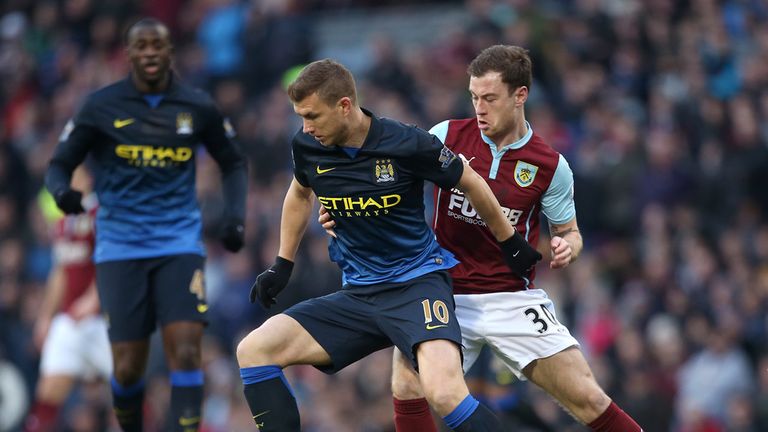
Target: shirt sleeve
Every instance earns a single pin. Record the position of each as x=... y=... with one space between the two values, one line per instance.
x=557 y=203
x=435 y=162
x=75 y=141
x=299 y=171
x=440 y=130
x=219 y=139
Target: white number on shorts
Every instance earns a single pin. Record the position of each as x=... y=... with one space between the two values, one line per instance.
x=438 y=307
x=533 y=314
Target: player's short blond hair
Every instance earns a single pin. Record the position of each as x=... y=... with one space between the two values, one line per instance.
x=329 y=79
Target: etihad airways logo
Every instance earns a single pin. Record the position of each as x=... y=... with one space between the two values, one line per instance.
x=360 y=206
x=145 y=155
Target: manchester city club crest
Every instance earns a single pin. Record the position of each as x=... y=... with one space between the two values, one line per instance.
x=384 y=171
x=184 y=124
x=525 y=173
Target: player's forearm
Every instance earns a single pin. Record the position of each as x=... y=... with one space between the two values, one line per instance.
x=66 y=157
x=54 y=292
x=235 y=185
x=297 y=209
x=485 y=203
x=57 y=177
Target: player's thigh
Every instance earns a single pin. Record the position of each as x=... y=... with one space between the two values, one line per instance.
x=567 y=377
x=522 y=327
x=62 y=349
x=417 y=311
x=344 y=324
x=440 y=363
x=470 y=317
x=281 y=341
x=97 y=352
x=405 y=380
x=125 y=299
x=177 y=286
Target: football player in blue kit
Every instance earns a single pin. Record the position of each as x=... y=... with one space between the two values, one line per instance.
x=142 y=134
x=369 y=173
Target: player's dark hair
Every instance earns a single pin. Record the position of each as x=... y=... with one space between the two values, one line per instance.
x=144 y=23
x=512 y=62
x=329 y=79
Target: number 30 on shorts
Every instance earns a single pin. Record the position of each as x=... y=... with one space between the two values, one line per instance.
x=542 y=319
x=438 y=309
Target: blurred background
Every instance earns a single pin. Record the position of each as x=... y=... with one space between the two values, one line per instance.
x=660 y=106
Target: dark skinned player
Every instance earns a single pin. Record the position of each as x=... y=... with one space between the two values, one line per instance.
x=142 y=134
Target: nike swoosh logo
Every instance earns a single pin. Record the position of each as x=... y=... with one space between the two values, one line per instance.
x=432 y=327
x=189 y=421
x=515 y=254
x=323 y=171
x=122 y=123
x=202 y=308
x=260 y=414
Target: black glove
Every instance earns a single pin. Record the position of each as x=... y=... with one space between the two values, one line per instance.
x=69 y=200
x=273 y=280
x=233 y=235
x=519 y=255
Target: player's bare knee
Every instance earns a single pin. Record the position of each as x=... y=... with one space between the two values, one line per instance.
x=597 y=402
x=256 y=349
x=247 y=351
x=187 y=356
x=127 y=373
x=406 y=387
x=443 y=398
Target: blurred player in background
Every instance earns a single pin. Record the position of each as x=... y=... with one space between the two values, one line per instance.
x=69 y=329
x=142 y=133
x=369 y=173
x=495 y=306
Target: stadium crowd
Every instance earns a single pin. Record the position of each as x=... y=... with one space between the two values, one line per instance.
x=661 y=107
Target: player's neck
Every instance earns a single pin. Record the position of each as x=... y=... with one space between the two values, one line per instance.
x=515 y=134
x=361 y=126
x=152 y=88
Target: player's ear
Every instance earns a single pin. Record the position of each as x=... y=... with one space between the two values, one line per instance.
x=521 y=95
x=345 y=104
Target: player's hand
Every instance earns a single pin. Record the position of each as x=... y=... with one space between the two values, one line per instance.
x=273 y=280
x=69 y=200
x=233 y=235
x=561 y=253
x=324 y=219
x=519 y=255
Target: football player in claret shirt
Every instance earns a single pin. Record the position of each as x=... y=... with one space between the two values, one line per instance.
x=69 y=329
x=142 y=134
x=369 y=173
x=494 y=306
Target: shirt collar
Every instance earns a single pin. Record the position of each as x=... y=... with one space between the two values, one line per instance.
x=513 y=146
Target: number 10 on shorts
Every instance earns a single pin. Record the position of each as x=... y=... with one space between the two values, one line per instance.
x=436 y=309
